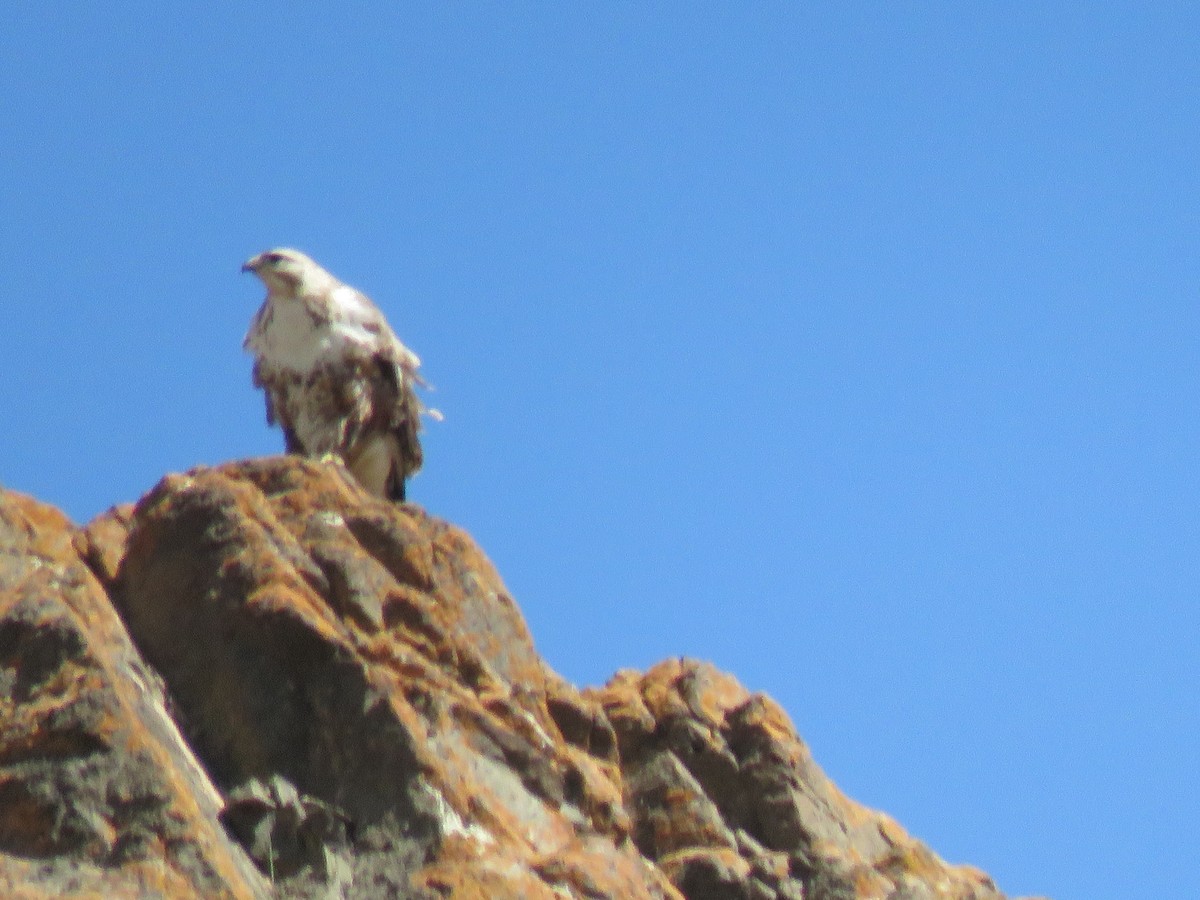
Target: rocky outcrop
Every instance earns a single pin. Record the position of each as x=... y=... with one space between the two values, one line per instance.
x=259 y=681
x=99 y=793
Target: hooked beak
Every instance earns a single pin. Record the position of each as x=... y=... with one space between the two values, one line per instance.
x=252 y=264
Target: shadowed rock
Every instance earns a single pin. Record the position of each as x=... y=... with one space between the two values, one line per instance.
x=99 y=794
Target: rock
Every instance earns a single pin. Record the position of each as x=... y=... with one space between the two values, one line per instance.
x=99 y=794
x=289 y=835
x=727 y=800
x=335 y=696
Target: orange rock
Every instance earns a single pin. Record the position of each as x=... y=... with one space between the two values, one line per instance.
x=727 y=799
x=99 y=794
x=362 y=691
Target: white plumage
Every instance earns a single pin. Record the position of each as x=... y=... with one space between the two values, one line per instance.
x=336 y=377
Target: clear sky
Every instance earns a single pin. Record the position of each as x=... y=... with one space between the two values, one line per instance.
x=850 y=346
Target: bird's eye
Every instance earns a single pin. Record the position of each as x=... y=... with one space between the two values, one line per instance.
x=273 y=258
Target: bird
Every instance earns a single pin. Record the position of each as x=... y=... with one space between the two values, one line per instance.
x=337 y=380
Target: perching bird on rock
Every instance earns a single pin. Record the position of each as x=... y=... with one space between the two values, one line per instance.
x=337 y=379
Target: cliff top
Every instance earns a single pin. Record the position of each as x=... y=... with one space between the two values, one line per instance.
x=259 y=681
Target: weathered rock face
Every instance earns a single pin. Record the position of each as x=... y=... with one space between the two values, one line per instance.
x=728 y=802
x=99 y=794
x=261 y=682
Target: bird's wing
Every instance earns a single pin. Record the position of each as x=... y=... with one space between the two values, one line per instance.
x=360 y=322
x=254 y=332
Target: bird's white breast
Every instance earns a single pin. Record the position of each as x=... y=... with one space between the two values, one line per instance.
x=287 y=337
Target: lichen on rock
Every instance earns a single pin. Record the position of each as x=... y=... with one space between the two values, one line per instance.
x=261 y=681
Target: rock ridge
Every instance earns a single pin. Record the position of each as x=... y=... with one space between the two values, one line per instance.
x=260 y=681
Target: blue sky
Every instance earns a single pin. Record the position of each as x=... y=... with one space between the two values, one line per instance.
x=850 y=346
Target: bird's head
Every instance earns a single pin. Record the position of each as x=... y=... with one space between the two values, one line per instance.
x=286 y=271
